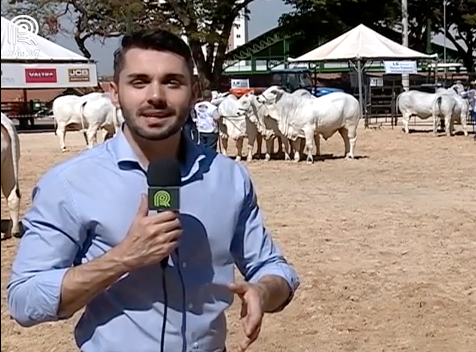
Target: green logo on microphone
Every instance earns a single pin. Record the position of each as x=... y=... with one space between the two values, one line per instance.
x=162 y=199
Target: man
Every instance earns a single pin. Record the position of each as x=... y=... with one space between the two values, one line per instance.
x=207 y=118
x=90 y=241
x=190 y=128
x=471 y=96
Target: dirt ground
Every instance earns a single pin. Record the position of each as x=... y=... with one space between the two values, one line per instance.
x=384 y=246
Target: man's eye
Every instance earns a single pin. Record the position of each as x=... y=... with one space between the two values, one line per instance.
x=174 y=83
x=138 y=83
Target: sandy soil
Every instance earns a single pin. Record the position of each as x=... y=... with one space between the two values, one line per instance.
x=384 y=245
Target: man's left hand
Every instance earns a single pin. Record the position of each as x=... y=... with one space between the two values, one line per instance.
x=252 y=311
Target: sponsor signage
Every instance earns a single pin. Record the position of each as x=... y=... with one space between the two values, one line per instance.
x=78 y=75
x=240 y=83
x=400 y=67
x=40 y=75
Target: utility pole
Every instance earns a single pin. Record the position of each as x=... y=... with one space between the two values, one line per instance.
x=405 y=77
x=444 y=36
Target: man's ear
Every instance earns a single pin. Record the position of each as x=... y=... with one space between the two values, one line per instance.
x=114 y=91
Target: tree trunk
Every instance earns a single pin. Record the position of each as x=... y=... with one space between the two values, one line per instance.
x=81 y=43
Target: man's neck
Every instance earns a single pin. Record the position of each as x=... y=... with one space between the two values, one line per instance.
x=147 y=150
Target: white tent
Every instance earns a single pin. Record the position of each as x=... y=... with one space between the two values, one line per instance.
x=30 y=61
x=361 y=43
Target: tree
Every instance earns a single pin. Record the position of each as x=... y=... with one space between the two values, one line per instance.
x=334 y=17
x=461 y=27
x=330 y=18
x=206 y=24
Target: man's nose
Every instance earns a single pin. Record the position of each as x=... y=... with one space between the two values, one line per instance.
x=156 y=93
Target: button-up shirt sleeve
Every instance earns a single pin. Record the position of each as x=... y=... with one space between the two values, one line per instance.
x=51 y=241
x=254 y=251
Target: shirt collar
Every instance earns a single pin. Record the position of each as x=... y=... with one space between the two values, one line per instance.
x=190 y=154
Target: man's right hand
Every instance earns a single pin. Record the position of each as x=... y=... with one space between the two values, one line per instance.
x=150 y=238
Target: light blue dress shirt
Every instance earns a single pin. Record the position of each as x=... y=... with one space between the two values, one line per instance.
x=85 y=206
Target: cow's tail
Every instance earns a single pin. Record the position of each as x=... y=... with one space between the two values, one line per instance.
x=437 y=106
x=397 y=104
x=82 y=118
x=15 y=148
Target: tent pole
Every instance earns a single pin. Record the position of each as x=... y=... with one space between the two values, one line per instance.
x=361 y=97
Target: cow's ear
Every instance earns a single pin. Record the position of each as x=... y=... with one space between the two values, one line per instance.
x=279 y=94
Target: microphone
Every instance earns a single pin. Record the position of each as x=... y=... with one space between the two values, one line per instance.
x=164 y=179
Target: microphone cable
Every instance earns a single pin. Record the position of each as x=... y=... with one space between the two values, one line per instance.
x=164 y=264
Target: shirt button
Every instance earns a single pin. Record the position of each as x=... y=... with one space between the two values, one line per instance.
x=195 y=345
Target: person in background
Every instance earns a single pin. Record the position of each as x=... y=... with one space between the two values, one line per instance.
x=207 y=119
x=190 y=127
x=471 y=96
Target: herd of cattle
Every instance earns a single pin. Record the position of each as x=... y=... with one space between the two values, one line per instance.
x=291 y=118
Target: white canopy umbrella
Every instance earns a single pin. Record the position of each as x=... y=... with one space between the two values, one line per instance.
x=358 y=44
x=31 y=61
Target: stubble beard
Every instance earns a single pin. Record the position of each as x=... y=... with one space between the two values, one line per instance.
x=153 y=134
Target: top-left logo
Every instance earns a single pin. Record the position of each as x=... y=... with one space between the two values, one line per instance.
x=23 y=29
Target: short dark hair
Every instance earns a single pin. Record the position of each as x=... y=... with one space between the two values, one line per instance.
x=152 y=39
x=207 y=94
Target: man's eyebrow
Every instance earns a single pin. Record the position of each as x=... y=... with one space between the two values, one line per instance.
x=138 y=76
x=143 y=76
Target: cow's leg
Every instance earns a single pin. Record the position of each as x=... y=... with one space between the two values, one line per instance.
x=309 y=134
x=224 y=144
x=61 y=133
x=91 y=136
x=406 y=121
x=251 y=144
x=448 y=123
x=259 y=145
x=286 y=148
x=269 y=148
x=349 y=136
x=296 y=147
x=317 y=142
x=12 y=194
x=239 y=148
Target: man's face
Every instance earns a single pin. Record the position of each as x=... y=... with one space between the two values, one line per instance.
x=154 y=91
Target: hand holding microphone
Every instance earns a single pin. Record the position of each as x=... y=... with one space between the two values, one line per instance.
x=152 y=238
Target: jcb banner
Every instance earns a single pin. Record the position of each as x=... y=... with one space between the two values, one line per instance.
x=78 y=75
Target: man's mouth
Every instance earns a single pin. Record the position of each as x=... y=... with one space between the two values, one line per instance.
x=156 y=114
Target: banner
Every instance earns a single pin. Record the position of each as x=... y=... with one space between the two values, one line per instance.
x=240 y=83
x=400 y=67
x=25 y=76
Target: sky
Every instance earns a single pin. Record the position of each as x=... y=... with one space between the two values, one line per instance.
x=263 y=17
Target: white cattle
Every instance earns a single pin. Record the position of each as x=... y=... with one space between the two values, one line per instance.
x=217 y=95
x=421 y=104
x=91 y=112
x=306 y=117
x=267 y=127
x=237 y=128
x=10 y=182
x=461 y=109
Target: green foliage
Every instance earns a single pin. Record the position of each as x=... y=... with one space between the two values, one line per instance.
x=204 y=23
x=327 y=19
